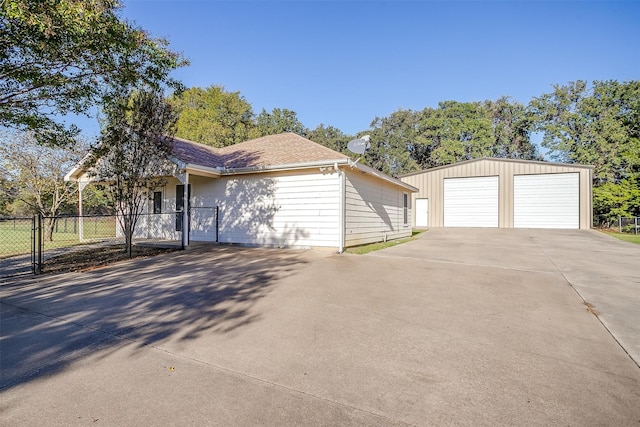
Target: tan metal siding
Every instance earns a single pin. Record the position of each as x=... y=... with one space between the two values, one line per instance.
x=430 y=185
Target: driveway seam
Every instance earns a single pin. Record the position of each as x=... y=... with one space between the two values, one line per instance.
x=637 y=363
x=262 y=380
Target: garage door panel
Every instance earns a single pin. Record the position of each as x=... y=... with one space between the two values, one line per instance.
x=471 y=202
x=546 y=201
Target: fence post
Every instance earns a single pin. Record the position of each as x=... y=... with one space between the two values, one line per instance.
x=636 y=225
x=620 y=224
x=39 y=250
x=33 y=244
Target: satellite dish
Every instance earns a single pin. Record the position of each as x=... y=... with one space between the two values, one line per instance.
x=360 y=145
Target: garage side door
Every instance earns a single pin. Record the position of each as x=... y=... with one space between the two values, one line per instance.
x=471 y=202
x=422 y=212
x=546 y=201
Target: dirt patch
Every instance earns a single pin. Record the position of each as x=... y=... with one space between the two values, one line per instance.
x=591 y=309
x=90 y=259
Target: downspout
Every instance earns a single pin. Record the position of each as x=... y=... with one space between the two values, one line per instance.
x=343 y=213
x=185 y=212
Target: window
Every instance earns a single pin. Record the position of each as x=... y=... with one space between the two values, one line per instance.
x=405 y=208
x=157 y=202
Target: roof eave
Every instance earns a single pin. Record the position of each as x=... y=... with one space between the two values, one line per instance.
x=385 y=177
x=284 y=167
x=202 y=170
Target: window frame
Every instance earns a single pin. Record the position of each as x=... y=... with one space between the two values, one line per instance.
x=157 y=202
x=405 y=208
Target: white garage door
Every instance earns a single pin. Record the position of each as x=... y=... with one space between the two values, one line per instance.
x=546 y=201
x=471 y=202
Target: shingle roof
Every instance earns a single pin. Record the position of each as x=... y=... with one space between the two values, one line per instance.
x=193 y=153
x=267 y=151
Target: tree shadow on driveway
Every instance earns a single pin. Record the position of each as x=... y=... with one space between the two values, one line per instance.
x=47 y=323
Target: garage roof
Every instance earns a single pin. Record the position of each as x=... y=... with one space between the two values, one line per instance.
x=494 y=159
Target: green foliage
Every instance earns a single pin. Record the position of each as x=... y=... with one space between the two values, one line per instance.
x=213 y=116
x=511 y=130
x=330 y=137
x=279 y=121
x=131 y=156
x=8 y=192
x=598 y=126
x=408 y=140
x=456 y=131
x=392 y=141
x=613 y=200
x=65 y=56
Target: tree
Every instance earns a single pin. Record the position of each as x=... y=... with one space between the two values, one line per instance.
x=330 y=137
x=8 y=192
x=511 y=130
x=213 y=116
x=36 y=174
x=64 y=56
x=613 y=200
x=598 y=126
x=393 y=141
x=131 y=156
x=455 y=131
x=279 y=121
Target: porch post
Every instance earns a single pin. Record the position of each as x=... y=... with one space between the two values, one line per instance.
x=81 y=186
x=185 y=212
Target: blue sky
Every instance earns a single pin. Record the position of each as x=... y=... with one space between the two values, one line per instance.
x=342 y=63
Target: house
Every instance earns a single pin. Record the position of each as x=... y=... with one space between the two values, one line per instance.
x=503 y=193
x=280 y=190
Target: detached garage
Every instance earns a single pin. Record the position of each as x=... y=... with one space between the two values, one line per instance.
x=503 y=193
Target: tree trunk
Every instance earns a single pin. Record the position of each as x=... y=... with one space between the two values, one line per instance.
x=49 y=226
x=128 y=232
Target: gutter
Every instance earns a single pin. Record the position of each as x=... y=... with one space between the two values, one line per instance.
x=205 y=170
x=286 y=167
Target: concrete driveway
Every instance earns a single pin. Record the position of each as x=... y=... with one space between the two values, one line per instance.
x=477 y=327
x=604 y=271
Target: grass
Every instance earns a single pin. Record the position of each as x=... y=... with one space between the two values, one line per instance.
x=633 y=238
x=365 y=249
x=15 y=234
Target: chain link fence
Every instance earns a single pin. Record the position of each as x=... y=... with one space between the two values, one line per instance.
x=16 y=236
x=620 y=224
x=26 y=243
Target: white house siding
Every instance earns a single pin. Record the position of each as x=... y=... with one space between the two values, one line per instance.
x=374 y=209
x=289 y=209
x=157 y=226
